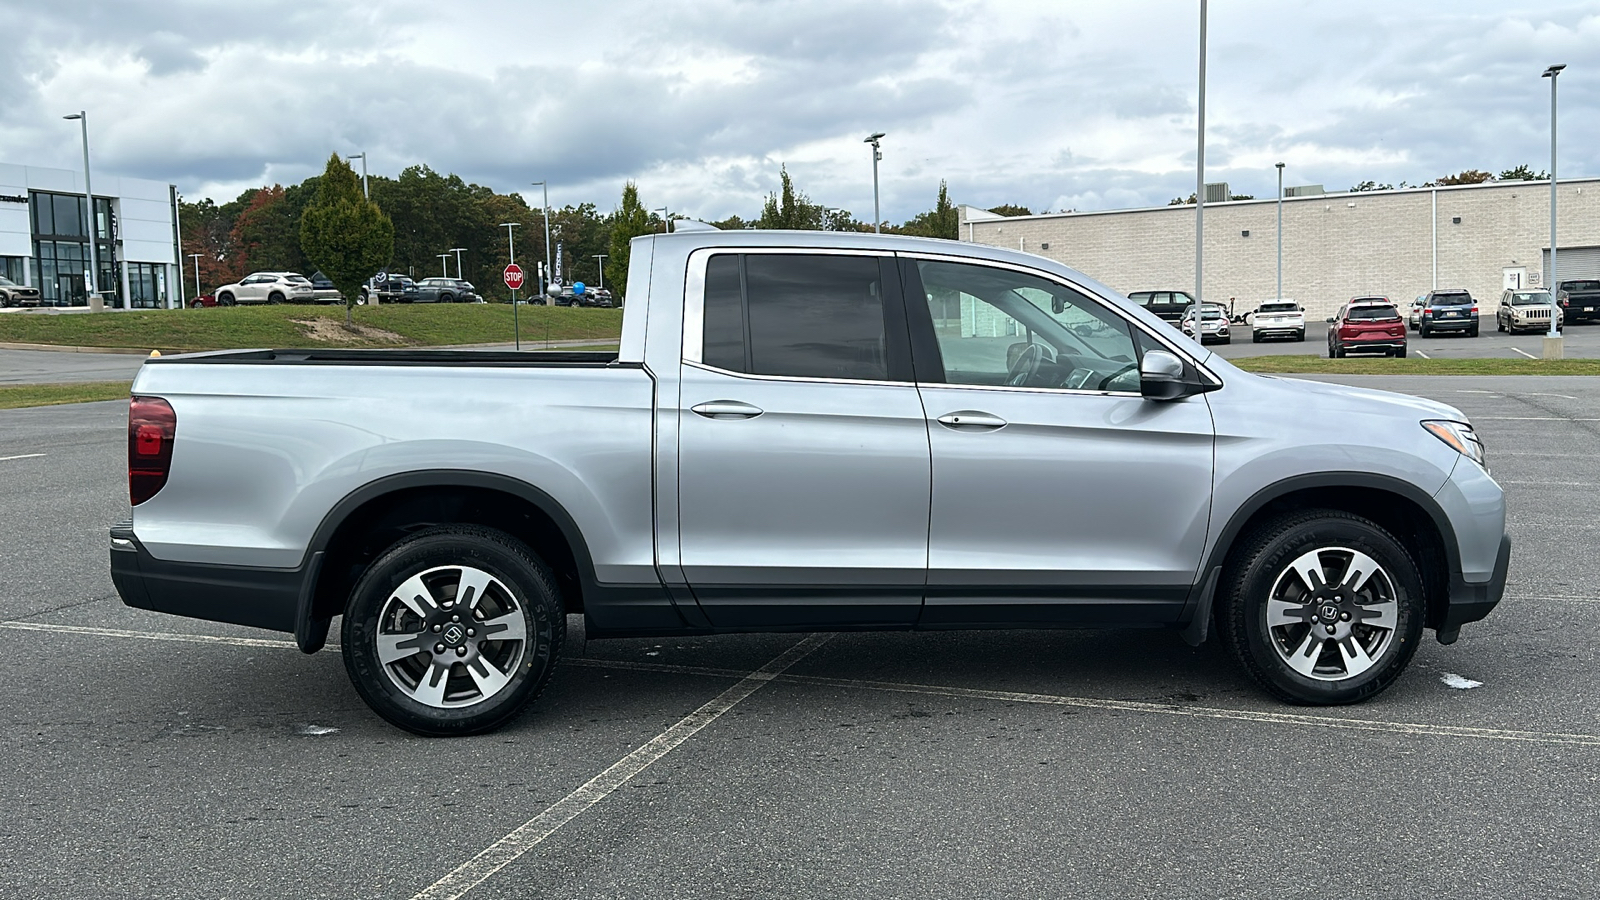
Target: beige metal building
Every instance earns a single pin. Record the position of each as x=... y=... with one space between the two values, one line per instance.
x=1398 y=243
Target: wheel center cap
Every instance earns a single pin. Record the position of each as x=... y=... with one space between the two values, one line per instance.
x=454 y=634
x=1328 y=612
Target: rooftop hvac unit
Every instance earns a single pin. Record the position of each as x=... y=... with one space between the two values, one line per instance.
x=1218 y=193
x=1304 y=190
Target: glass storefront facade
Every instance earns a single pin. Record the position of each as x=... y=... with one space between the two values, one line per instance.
x=61 y=242
x=147 y=285
x=13 y=267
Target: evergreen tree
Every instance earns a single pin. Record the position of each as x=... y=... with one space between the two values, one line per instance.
x=629 y=221
x=344 y=234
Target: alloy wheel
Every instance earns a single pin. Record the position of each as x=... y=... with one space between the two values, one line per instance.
x=1332 y=613
x=451 y=636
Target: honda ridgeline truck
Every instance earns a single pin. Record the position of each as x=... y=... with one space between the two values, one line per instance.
x=804 y=432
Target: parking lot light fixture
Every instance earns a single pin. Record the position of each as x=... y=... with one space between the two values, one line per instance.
x=666 y=221
x=877 y=155
x=601 y=257
x=1200 y=184
x=1279 y=294
x=457 y=251
x=444 y=260
x=196 y=258
x=91 y=283
x=363 y=157
x=1552 y=338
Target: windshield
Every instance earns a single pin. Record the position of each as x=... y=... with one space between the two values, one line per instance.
x=1452 y=299
x=1522 y=298
x=1580 y=285
x=6 y=282
x=1373 y=312
x=1279 y=308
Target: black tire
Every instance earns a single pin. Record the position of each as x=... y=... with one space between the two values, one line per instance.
x=1401 y=353
x=1422 y=331
x=1473 y=331
x=1330 y=350
x=1300 y=336
x=447 y=298
x=1227 y=339
x=195 y=304
x=274 y=298
x=1255 y=338
x=1339 y=351
x=519 y=588
x=1263 y=565
x=225 y=300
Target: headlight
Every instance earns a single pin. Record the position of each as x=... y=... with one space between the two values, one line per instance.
x=1460 y=436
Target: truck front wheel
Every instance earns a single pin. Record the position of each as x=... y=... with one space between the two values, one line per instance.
x=1321 y=607
x=453 y=631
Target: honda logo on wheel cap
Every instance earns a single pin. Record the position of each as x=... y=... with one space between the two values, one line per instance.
x=454 y=634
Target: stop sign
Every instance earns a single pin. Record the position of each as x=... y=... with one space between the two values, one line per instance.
x=513 y=276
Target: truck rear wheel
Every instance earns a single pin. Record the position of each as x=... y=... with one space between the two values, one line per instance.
x=453 y=631
x=1321 y=607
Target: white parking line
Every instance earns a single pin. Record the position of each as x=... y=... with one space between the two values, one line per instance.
x=1524 y=352
x=1426 y=356
x=151 y=635
x=511 y=847
x=20 y=456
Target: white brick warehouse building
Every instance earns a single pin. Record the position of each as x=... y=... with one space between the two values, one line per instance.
x=1399 y=243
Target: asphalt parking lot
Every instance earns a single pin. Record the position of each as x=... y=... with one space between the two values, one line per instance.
x=1581 y=341
x=159 y=757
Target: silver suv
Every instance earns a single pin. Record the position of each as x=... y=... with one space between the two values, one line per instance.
x=267 y=287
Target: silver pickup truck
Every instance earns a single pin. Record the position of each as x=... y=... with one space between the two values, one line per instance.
x=804 y=432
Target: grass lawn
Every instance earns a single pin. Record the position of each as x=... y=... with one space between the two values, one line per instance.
x=220 y=328
x=1378 y=365
x=18 y=396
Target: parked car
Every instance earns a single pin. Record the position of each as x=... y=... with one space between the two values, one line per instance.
x=266 y=287
x=1277 y=318
x=825 y=434
x=1414 y=316
x=1169 y=305
x=446 y=290
x=1525 y=311
x=13 y=294
x=1367 y=325
x=1448 y=310
x=390 y=289
x=324 y=291
x=1580 y=299
x=1213 y=324
x=204 y=300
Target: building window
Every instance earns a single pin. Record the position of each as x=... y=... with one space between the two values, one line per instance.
x=147 y=285
x=12 y=267
x=61 y=235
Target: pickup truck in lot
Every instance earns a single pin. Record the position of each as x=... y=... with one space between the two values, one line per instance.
x=1580 y=299
x=804 y=432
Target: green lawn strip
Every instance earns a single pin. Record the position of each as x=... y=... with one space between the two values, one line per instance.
x=1317 y=365
x=21 y=395
x=276 y=326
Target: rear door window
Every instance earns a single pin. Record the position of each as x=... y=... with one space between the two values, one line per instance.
x=1452 y=299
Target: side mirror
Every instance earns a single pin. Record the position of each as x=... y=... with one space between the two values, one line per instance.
x=1058 y=305
x=1162 y=377
x=1329 y=320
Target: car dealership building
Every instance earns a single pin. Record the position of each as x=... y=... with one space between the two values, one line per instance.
x=1394 y=243
x=44 y=237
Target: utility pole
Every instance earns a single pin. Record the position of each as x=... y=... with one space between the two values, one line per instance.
x=1279 y=295
x=1552 y=338
x=877 y=154
x=93 y=281
x=511 y=246
x=363 y=157
x=602 y=259
x=1200 y=189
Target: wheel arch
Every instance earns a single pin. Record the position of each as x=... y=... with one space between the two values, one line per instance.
x=1399 y=507
x=371 y=518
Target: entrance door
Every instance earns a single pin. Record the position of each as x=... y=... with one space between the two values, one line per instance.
x=1513 y=277
x=1060 y=495
x=803 y=472
x=72 y=290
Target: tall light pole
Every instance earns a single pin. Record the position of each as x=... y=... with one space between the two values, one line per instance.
x=1279 y=294
x=444 y=260
x=1552 y=338
x=1200 y=188
x=196 y=258
x=877 y=154
x=601 y=257
x=457 y=251
x=511 y=247
x=544 y=279
x=88 y=196
x=363 y=157
x=666 y=221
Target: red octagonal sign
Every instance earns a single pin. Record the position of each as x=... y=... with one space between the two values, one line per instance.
x=513 y=276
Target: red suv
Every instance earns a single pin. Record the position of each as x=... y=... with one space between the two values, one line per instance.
x=1367 y=325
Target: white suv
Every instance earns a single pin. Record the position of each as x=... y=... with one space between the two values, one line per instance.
x=267 y=287
x=1278 y=318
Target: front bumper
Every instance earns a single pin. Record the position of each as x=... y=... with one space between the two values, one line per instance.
x=1471 y=601
x=239 y=595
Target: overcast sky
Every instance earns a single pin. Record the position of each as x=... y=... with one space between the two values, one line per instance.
x=1079 y=104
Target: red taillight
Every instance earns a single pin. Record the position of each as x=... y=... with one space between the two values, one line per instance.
x=1474 y=310
x=151 y=427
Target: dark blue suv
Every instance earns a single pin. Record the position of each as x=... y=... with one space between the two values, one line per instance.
x=1453 y=310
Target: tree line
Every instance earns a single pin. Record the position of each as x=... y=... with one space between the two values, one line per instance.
x=260 y=230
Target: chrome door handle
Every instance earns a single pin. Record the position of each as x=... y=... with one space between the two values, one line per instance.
x=972 y=419
x=727 y=409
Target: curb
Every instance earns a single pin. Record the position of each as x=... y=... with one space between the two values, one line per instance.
x=61 y=348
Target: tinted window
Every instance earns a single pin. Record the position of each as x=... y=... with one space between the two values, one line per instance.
x=724 y=316
x=69 y=215
x=1580 y=285
x=1374 y=312
x=996 y=326
x=1278 y=308
x=815 y=316
x=1523 y=297
x=1452 y=299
